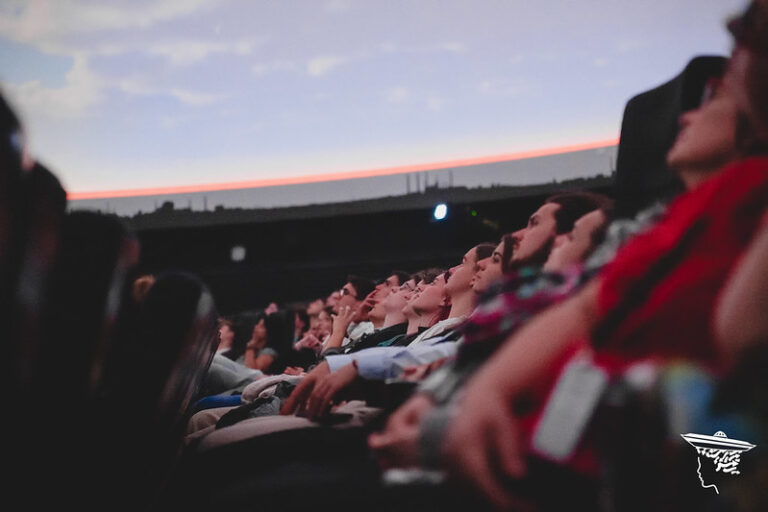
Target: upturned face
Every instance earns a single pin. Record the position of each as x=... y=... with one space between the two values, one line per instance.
x=707 y=138
x=489 y=271
x=540 y=231
x=461 y=275
x=573 y=247
x=430 y=298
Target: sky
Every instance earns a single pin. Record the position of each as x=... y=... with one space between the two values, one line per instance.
x=136 y=94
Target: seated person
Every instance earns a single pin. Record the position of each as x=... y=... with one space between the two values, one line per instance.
x=524 y=293
x=695 y=157
x=423 y=309
x=530 y=244
x=226 y=335
x=334 y=344
x=258 y=354
x=654 y=300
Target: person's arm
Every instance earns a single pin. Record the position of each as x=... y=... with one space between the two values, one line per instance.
x=391 y=362
x=482 y=439
x=740 y=316
x=258 y=359
x=340 y=324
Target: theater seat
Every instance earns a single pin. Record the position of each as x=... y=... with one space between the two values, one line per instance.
x=649 y=127
x=156 y=366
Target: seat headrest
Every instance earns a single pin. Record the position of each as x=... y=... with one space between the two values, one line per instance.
x=649 y=127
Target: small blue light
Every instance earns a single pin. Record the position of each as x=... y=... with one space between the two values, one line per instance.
x=441 y=211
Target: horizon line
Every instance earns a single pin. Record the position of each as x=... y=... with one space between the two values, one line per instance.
x=344 y=175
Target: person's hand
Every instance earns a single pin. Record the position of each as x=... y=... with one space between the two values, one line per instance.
x=329 y=386
x=482 y=445
x=397 y=446
x=365 y=307
x=293 y=370
x=419 y=372
x=343 y=319
x=298 y=397
x=271 y=308
x=308 y=341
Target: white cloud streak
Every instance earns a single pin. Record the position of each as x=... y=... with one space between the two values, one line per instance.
x=320 y=66
x=81 y=91
x=49 y=23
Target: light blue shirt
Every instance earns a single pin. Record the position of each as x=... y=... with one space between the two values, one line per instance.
x=389 y=362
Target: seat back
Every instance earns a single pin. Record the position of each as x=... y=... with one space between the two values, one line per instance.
x=156 y=366
x=649 y=127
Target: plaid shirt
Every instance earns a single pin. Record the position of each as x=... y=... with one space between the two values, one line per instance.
x=512 y=302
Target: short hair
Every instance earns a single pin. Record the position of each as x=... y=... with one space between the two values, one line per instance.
x=427 y=274
x=507 y=252
x=362 y=285
x=226 y=321
x=484 y=250
x=402 y=276
x=574 y=205
x=599 y=234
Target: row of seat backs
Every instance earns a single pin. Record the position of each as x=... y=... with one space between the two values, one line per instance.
x=76 y=341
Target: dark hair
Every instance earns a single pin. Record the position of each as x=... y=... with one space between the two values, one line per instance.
x=484 y=250
x=401 y=275
x=747 y=141
x=750 y=30
x=427 y=275
x=301 y=312
x=598 y=235
x=362 y=285
x=506 y=253
x=226 y=321
x=576 y=204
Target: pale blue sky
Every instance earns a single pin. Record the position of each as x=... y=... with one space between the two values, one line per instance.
x=137 y=94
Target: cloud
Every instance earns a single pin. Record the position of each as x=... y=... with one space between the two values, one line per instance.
x=338 y=5
x=444 y=47
x=82 y=90
x=194 y=98
x=48 y=24
x=139 y=86
x=434 y=103
x=397 y=94
x=320 y=66
x=182 y=52
x=265 y=68
x=503 y=87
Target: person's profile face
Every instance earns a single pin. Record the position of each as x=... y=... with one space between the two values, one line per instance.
x=431 y=296
x=489 y=271
x=707 y=137
x=348 y=297
x=572 y=247
x=462 y=274
x=399 y=297
x=541 y=230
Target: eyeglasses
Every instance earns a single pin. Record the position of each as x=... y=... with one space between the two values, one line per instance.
x=751 y=28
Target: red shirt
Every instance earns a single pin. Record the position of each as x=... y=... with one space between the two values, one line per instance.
x=657 y=298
